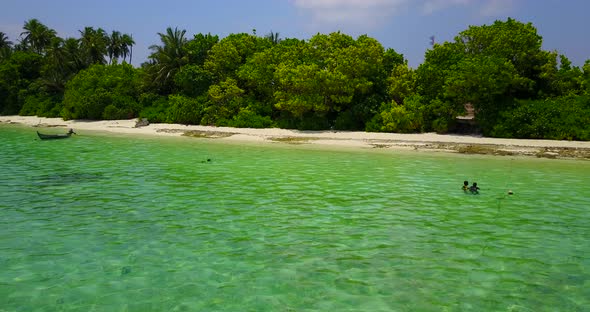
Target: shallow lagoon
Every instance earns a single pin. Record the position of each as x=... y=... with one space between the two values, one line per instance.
x=147 y=224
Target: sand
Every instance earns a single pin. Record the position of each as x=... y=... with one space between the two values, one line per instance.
x=420 y=141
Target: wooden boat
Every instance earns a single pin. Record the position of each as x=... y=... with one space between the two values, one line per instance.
x=55 y=136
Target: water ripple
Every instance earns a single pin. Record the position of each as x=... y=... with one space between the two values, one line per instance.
x=107 y=223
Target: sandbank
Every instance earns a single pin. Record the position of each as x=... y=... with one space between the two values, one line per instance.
x=468 y=144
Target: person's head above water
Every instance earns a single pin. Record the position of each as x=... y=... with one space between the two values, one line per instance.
x=465 y=185
x=474 y=188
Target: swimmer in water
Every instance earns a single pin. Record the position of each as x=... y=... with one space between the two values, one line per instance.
x=474 y=189
x=465 y=186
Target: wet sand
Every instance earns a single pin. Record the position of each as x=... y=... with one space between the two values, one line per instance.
x=355 y=139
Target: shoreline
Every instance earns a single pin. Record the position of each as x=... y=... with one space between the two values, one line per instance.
x=465 y=144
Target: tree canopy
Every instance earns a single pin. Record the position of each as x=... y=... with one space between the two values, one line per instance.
x=330 y=81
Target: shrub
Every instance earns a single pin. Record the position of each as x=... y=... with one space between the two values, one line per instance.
x=92 y=90
x=563 y=118
x=185 y=110
x=155 y=108
x=247 y=118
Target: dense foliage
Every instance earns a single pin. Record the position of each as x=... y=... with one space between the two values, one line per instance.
x=331 y=81
x=102 y=92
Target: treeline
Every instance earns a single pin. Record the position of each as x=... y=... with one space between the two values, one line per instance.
x=331 y=81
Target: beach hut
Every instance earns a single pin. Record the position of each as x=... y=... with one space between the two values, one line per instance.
x=467 y=123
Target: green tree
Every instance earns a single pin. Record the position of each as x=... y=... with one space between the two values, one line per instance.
x=102 y=92
x=332 y=74
x=401 y=83
x=439 y=63
x=38 y=101
x=560 y=118
x=226 y=57
x=488 y=66
x=93 y=43
x=64 y=59
x=259 y=80
x=586 y=77
x=114 y=46
x=298 y=89
x=185 y=110
x=258 y=73
x=510 y=40
x=395 y=118
x=198 y=48
x=391 y=58
x=127 y=43
x=403 y=117
x=37 y=36
x=5 y=46
x=44 y=95
x=193 y=80
x=560 y=78
x=273 y=37
x=74 y=55
x=491 y=84
x=226 y=100
x=55 y=71
x=16 y=75
x=168 y=58
x=503 y=62
x=4 y=41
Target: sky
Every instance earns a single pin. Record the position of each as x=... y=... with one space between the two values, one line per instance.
x=404 y=25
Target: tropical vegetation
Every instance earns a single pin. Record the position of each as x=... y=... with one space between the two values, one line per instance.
x=330 y=81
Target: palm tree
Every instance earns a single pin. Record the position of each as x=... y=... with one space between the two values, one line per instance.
x=94 y=44
x=73 y=52
x=55 y=49
x=273 y=37
x=127 y=46
x=5 y=46
x=54 y=69
x=4 y=41
x=36 y=35
x=62 y=62
x=114 y=46
x=169 y=57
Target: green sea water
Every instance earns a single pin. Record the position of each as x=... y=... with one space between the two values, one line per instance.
x=104 y=222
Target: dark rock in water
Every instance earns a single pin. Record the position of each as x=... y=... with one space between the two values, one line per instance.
x=142 y=123
x=125 y=270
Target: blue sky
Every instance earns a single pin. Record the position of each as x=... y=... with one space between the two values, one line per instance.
x=404 y=25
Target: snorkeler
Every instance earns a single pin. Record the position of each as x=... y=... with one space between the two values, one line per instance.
x=465 y=186
x=474 y=189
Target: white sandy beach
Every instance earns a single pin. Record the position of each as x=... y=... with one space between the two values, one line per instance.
x=421 y=141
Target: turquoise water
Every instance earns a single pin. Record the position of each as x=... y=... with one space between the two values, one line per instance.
x=100 y=223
